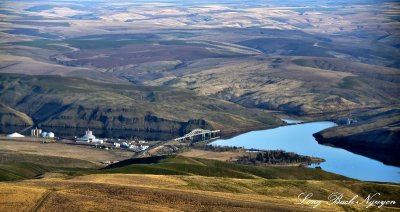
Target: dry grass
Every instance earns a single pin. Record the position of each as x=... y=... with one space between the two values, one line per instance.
x=221 y=156
x=134 y=179
x=14 y=117
x=64 y=150
x=19 y=198
x=127 y=192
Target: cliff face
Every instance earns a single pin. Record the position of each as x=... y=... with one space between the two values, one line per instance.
x=64 y=102
x=101 y=117
x=376 y=135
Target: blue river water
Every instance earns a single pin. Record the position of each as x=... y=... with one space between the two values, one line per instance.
x=298 y=138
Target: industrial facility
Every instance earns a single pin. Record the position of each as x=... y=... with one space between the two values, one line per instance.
x=89 y=138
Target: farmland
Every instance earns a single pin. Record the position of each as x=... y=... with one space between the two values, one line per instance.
x=261 y=56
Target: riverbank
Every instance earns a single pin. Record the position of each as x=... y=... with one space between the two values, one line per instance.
x=299 y=138
x=376 y=135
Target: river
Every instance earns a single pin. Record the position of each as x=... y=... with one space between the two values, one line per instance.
x=298 y=138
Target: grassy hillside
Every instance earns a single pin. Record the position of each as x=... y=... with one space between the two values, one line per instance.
x=294 y=85
x=55 y=101
x=178 y=183
x=21 y=171
x=9 y=116
x=20 y=166
x=14 y=157
x=181 y=165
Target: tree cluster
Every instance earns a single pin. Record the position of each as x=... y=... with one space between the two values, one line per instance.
x=275 y=157
x=215 y=148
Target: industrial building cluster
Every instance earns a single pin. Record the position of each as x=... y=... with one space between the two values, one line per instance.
x=39 y=133
x=90 y=139
x=34 y=133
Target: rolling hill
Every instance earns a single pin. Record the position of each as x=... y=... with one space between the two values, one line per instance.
x=9 y=116
x=67 y=102
x=156 y=69
x=180 y=165
x=293 y=85
x=177 y=183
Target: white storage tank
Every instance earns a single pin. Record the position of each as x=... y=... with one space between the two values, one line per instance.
x=50 y=135
x=44 y=135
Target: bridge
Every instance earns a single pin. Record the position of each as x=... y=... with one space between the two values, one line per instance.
x=205 y=135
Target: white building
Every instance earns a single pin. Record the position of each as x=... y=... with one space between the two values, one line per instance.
x=99 y=141
x=117 y=144
x=47 y=135
x=15 y=135
x=89 y=138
